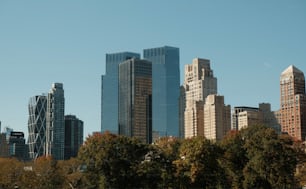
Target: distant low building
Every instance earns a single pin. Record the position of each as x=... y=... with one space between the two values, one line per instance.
x=12 y=144
x=217 y=117
x=243 y=116
x=17 y=146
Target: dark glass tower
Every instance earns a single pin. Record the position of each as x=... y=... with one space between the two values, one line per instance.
x=166 y=89
x=74 y=129
x=135 y=102
x=109 y=91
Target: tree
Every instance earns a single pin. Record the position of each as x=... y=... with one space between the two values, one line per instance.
x=112 y=160
x=150 y=171
x=10 y=172
x=47 y=173
x=169 y=153
x=234 y=158
x=271 y=159
x=198 y=166
x=71 y=169
x=301 y=166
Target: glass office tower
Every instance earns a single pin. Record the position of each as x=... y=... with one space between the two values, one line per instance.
x=166 y=89
x=74 y=130
x=55 y=122
x=37 y=125
x=109 y=90
x=135 y=102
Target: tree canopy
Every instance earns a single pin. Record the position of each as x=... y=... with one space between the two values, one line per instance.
x=255 y=157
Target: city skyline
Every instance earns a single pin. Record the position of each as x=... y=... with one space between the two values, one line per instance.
x=249 y=45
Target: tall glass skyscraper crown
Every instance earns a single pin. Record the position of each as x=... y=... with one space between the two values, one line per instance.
x=109 y=90
x=166 y=89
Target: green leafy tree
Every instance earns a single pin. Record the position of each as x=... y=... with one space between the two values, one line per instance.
x=271 y=159
x=169 y=153
x=234 y=158
x=151 y=169
x=300 y=148
x=198 y=166
x=112 y=160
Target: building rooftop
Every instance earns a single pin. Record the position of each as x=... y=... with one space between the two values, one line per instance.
x=292 y=69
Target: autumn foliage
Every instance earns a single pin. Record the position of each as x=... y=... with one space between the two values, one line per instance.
x=255 y=157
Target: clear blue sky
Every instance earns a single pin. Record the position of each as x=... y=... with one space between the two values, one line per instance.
x=249 y=44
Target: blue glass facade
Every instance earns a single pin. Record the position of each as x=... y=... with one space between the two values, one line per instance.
x=166 y=89
x=109 y=89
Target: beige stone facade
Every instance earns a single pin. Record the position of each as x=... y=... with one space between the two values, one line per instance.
x=249 y=118
x=217 y=117
x=243 y=117
x=194 y=118
x=293 y=103
x=198 y=84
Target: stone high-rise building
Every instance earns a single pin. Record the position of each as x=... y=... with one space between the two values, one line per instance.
x=198 y=84
x=37 y=126
x=55 y=122
x=293 y=103
x=217 y=117
x=135 y=99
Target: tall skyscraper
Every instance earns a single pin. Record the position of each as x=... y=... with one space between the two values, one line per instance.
x=55 y=122
x=37 y=125
x=74 y=129
x=109 y=89
x=293 y=102
x=217 y=117
x=135 y=99
x=199 y=82
x=166 y=89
